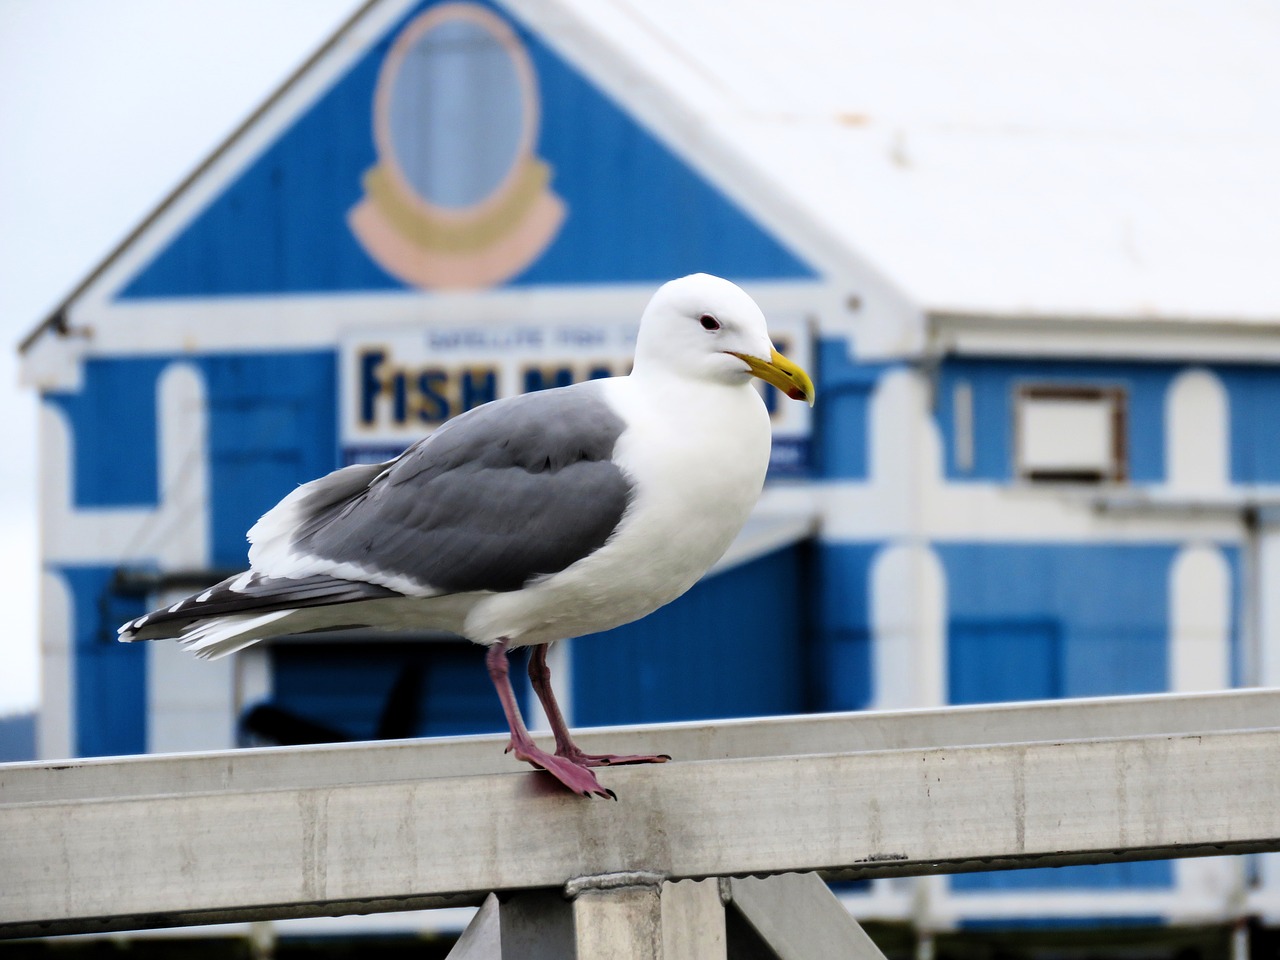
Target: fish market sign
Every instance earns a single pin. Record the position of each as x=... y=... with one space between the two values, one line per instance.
x=398 y=384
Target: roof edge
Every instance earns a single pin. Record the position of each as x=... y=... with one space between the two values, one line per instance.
x=1202 y=338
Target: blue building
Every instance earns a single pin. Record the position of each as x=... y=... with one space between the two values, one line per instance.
x=1040 y=308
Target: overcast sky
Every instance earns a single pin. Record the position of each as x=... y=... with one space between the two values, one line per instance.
x=104 y=107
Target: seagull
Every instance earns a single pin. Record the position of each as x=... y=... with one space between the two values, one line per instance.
x=529 y=519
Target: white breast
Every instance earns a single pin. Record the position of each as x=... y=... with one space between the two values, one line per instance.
x=697 y=455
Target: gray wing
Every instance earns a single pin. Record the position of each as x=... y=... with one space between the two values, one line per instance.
x=511 y=491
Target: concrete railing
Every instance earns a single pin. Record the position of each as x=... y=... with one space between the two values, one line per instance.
x=153 y=841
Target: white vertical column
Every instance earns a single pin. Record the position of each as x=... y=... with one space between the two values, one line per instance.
x=191 y=703
x=908 y=617
x=253 y=677
x=909 y=656
x=908 y=591
x=1266 y=582
x=56 y=721
x=908 y=584
x=1196 y=433
x=1200 y=659
x=1197 y=461
x=1199 y=620
x=905 y=452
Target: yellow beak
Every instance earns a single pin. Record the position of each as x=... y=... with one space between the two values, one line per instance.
x=781 y=373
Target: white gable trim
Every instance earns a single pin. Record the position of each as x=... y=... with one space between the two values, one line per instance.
x=165 y=327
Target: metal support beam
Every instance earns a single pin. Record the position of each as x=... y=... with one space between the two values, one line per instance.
x=693 y=921
x=537 y=924
x=482 y=940
x=800 y=919
x=639 y=916
x=617 y=916
x=634 y=916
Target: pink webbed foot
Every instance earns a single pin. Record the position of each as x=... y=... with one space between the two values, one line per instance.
x=611 y=759
x=575 y=776
x=540 y=677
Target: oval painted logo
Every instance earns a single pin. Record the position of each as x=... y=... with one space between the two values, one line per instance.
x=458 y=198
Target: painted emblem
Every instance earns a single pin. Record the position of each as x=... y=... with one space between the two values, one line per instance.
x=457 y=199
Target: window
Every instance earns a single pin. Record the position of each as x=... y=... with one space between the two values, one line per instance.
x=1071 y=434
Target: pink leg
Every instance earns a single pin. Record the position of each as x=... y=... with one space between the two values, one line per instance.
x=540 y=677
x=577 y=778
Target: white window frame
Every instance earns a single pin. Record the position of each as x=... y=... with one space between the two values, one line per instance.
x=1116 y=472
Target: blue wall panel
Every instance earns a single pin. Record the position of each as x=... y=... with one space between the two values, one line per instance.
x=843 y=664
x=1254 y=396
x=110 y=678
x=1041 y=924
x=997 y=660
x=733 y=646
x=1100 y=609
x=347 y=686
x=112 y=420
x=841 y=418
x=272 y=426
x=1157 y=874
x=1235 y=566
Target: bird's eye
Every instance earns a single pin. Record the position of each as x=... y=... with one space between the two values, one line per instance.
x=709 y=322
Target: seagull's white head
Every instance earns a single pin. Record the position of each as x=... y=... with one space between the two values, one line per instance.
x=707 y=328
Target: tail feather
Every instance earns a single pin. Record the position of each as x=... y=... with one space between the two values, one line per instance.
x=219 y=636
x=248 y=598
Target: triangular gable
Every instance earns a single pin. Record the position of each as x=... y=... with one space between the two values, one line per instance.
x=369 y=189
